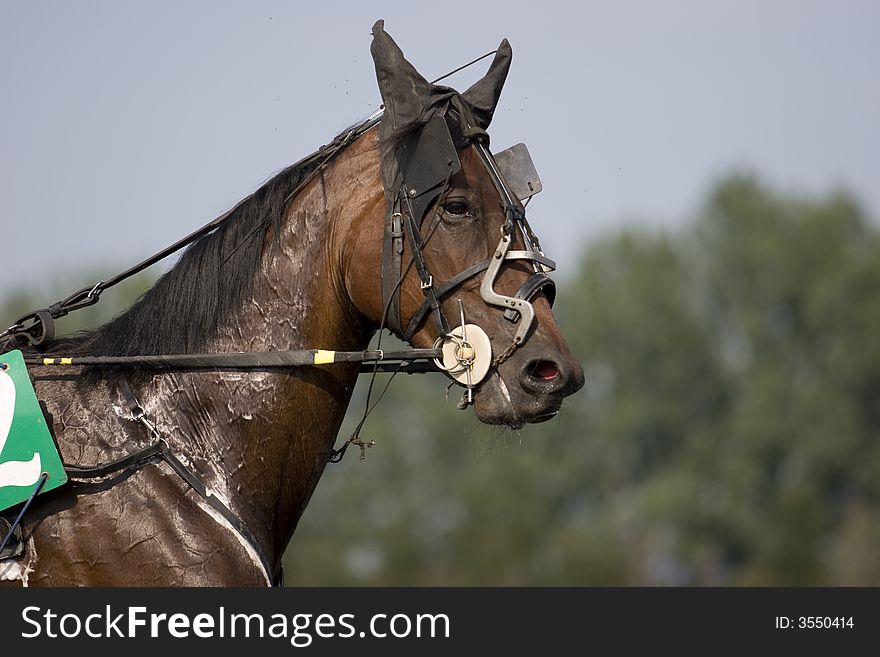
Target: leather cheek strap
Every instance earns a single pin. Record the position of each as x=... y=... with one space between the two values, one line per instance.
x=534 y=283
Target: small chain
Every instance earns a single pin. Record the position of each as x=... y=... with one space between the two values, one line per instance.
x=507 y=353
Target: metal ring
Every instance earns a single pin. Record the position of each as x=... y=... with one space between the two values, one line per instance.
x=439 y=363
x=94 y=289
x=438 y=345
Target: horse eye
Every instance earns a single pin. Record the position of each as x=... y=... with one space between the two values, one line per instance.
x=456 y=208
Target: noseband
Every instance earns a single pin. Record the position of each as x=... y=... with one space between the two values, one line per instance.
x=425 y=178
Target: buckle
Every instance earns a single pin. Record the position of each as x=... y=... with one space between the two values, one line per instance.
x=396 y=225
x=138 y=414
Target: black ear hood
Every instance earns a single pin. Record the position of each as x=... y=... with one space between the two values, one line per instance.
x=483 y=96
x=411 y=101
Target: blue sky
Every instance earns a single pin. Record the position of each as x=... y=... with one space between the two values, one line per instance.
x=125 y=125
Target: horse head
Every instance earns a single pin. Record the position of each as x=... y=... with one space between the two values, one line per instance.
x=457 y=249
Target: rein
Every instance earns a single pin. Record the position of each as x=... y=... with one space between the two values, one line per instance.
x=246 y=360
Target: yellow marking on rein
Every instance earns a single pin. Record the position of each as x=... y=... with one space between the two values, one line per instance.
x=61 y=361
x=322 y=357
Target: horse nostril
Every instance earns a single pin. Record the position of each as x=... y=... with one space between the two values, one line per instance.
x=544 y=370
x=542 y=376
x=551 y=377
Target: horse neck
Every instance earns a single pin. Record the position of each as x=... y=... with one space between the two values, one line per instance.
x=264 y=438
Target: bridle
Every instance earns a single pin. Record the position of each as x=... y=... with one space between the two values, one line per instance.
x=424 y=179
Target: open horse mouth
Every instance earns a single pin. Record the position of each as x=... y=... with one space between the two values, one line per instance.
x=534 y=396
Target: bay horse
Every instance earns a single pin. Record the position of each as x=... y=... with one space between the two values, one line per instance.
x=396 y=224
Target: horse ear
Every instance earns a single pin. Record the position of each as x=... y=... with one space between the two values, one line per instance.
x=484 y=94
x=404 y=91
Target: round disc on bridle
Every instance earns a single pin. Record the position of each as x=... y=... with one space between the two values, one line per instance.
x=470 y=347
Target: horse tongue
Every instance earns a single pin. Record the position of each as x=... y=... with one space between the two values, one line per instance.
x=545 y=370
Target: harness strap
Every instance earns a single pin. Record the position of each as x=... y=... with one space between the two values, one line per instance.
x=156 y=452
x=392 y=256
x=427 y=281
x=160 y=450
x=214 y=502
x=137 y=461
x=527 y=293
x=440 y=292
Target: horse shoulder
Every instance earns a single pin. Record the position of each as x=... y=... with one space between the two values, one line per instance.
x=136 y=528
